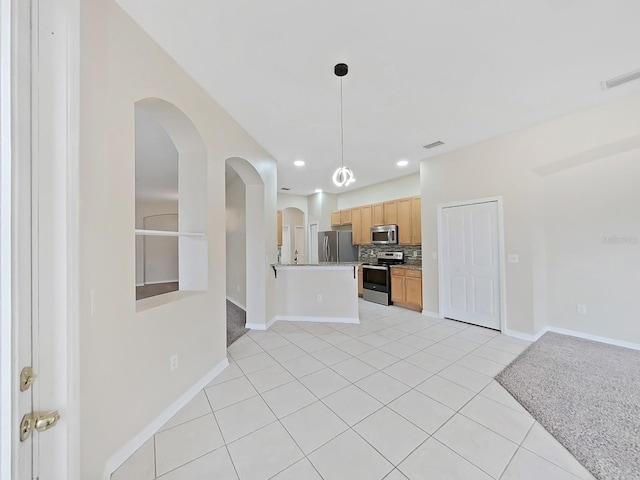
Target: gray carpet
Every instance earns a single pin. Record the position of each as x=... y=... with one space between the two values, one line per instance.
x=587 y=395
x=146 y=291
x=236 y=320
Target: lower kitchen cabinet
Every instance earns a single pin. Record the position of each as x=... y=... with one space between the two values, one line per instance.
x=406 y=287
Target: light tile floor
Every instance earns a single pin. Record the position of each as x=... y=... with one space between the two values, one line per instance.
x=400 y=396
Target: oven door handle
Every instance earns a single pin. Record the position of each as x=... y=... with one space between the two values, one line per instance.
x=374 y=267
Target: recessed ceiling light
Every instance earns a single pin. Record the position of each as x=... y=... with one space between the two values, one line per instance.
x=402 y=163
x=318 y=190
x=299 y=163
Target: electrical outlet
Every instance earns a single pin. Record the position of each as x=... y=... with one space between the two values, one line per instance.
x=581 y=309
x=415 y=253
x=173 y=362
x=319 y=298
x=513 y=258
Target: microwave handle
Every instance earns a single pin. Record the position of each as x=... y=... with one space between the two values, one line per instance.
x=393 y=236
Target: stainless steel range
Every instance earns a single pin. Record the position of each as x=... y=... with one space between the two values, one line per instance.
x=376 y=277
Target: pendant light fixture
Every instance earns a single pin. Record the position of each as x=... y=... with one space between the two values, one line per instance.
x=343 y=176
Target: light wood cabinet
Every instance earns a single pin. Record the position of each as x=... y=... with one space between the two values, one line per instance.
x=345 y=217
x=335 y=219
x=341 y=217
x=356 y=226
x=405 y=230
x=279 y=227
x=405 y=212
x=416 y=221
x=406 y=287
x=391 y=212
x=409 y=225
x=378 y=214
x=397 y=286
x=366 y=224
x=360 y=282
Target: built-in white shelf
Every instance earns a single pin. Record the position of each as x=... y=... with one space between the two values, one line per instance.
x=167 y=233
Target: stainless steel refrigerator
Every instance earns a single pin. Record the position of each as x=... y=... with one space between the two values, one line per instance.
x=334 y=246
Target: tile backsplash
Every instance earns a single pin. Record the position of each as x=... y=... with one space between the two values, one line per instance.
x=368 y=253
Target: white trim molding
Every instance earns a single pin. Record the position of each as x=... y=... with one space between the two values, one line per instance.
x=532 y=337
x=128 y=449
x=158 y=282
x=301 y=318
x=261 y=326
x=429 y=314
x=236 y=303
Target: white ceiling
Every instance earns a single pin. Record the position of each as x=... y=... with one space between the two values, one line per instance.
x=459 y=71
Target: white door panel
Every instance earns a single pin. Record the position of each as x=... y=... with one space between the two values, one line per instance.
x=470 y=264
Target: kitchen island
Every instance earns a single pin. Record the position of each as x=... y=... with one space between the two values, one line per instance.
x=317 y=292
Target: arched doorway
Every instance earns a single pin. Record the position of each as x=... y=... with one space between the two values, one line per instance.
x=246 y=252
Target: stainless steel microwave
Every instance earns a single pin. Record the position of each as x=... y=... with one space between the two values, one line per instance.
x=384 y=235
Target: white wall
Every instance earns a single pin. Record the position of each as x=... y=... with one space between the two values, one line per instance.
x=408 y=186
x=145 y=208
x=161 y=253
x=525 y=167
x=286 y=200
x=294 y=218
x=320 y=207
x=593 y=246
x=125 y=350
x=236 y=241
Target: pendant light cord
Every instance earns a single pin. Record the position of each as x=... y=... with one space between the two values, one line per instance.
x=341 y=127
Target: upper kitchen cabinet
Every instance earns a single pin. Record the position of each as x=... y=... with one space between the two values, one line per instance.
x=391 y=212
x=279 y=222
x=416 y=221
x=335 y=219
x=405 y=229
x=409 y=228
x=367 y=223
x=341 y=217
x=345 y=217
x=356 y=226
x=378 y=214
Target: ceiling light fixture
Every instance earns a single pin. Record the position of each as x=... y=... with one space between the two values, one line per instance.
x=318 y=190
x=299 y=163
x=402 y=163
x=343 y=176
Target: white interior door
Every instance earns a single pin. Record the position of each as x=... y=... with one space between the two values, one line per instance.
x=313 y=242
x=300 y=244
x=16 y=457
x=285 y=249
x=470 y=264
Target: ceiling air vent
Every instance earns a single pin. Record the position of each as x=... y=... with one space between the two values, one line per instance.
x=433 y=145
x=622 y=79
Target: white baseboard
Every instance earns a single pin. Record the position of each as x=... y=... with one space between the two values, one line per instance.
x=532 y=337
x=301 y=318
x=161 y=281
x=129 y=448
x=427 y=313
x=139 y=284
x=237 y=304
x=261 y=326
x=595 y=338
